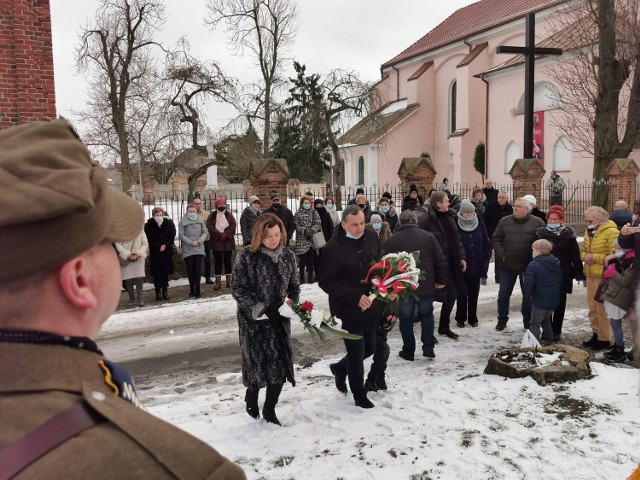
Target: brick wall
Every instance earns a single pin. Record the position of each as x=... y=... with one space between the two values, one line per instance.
x=27 y=90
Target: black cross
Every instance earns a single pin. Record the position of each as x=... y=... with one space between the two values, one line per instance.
x=529 y=51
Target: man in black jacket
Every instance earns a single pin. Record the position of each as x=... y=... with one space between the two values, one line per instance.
x=432 y=264
x=490 y=192
x=344 y=264
x=440 y=221
x=494 y=212
x=283 y=213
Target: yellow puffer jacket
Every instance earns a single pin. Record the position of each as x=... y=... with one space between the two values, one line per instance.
x=600 y=245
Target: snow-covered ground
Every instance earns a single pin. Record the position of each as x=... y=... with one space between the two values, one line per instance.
x=440 y=419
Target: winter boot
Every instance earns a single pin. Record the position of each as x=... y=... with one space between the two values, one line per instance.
x=218 y=282
x=192 y=291
x=611 y=352
x=196 y=289
x=132 y=297
x=251 y=398
x=269 y=409
x=340 y=377
x=165 y=293
x=158 y=297
x=618 y=355
x=139 y=297
x=229 y=281
x=364 y=402
x=209 y=281
x=591 y=342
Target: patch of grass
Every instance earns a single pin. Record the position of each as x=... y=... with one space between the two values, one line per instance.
x=534 y=440
x=421 y=476
x=440 y=463
x=472 y=412
x=593 y=435
x=564 y=406
x=393 y=453
x=467 y=438
x=529 y=424
x=283 y=461
x=512 y=414
x=497 y=426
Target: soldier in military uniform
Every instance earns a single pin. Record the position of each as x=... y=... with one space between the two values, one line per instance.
x=66 y=411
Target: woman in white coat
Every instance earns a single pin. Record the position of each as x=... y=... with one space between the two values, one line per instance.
x=132 y=256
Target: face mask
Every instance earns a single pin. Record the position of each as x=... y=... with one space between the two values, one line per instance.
x=349 y=235
x=319 y=207
x=306 y=206
x=362 y=205
x=554 y=226
x=591 y=227
x=384 y=209
x=222 y=209
x=329 y=206
x=377 y=226
x=159 y=220
x=192 y=215
x=276 y=206
x=619 y=253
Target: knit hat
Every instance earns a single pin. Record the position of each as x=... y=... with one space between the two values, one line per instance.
x=56 y=202
x=413 y=188
x=387 y=195
x=466 y=206
x=531 y=199
x=253 y=199
x=318 y=201
x=219 y=202
x=375 y=218
x=359 y=191
x=275 y=196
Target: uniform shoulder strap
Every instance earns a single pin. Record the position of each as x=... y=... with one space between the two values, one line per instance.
x=55 y=431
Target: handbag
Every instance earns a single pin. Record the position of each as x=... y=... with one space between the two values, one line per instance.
x=598 y=296
x=318 y=240
x=123 y=261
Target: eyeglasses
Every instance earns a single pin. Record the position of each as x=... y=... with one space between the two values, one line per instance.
x=277 y=236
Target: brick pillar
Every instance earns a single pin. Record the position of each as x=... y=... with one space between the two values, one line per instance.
x=27 y=91
x=268 y=176
x=527 y=174
x=623 y=173
x=418 y=171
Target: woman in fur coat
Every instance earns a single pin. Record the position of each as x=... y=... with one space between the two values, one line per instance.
x=264 y=275
x=307 y=223
x=132 y=256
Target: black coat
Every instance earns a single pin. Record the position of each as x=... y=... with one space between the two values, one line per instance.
x=493 y=213
x=160 y=263
x=565 y=249
x=343 y=265
x=536 y=212
x=491 y=194
x=286 y=215
x=432 y=264
x=247 y=219
x=325 y=223
x=453 y=253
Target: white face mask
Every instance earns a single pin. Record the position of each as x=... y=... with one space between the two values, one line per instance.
x=159 y=220
x=619 y=253
x=329 y=206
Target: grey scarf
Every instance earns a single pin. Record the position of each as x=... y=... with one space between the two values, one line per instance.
x=468 y=224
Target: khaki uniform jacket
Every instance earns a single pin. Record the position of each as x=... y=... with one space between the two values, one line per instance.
x=39 y=381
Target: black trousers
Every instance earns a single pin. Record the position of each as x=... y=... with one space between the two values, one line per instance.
x=307 y=261
x=467 y=308
x=207 y=259
x=353 y=361
x=219 y=258
x=558 y=314
x=194 y=269
x=160 y=281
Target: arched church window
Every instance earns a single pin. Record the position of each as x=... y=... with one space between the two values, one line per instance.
x=360 y=170
x=511 y=154
x=562 y=152
x=453 y=99
x=546 y=96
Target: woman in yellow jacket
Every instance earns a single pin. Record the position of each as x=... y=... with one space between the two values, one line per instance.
x=598 y=243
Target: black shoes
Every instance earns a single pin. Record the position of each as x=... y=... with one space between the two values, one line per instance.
x=251 y=397
x=501 y=326
x=473 y=324
x=209 y=281
x=616 y=354
x=340 y=377
x=591 y=342
x=600 y=345
x=448 y=333
x=428 y=352
x=269 y=414
x=375 y=383
x=460 y=324
x=364 y=403
x=406 y=355
x=158 y=297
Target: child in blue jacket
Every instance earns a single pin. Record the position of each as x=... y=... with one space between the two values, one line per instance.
x=542 y=280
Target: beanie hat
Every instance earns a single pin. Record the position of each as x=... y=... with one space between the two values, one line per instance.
x=413 y=188
x=466 y=206
x=52 y=192
x=387 y=195
x=317 y=202
x=375 y=218
x=359 y=190
x=531 y=199
x=219 y=202
x=253 y=199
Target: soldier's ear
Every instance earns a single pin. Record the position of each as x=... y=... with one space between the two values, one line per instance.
x=74 y=282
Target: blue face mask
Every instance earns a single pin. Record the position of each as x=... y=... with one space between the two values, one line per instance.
x=619 y=254
x=554 y=226
x=353 y=236
x=377 y=226
x=384 y=209
x=306 y=206
x=329 y=206
x=192 y=216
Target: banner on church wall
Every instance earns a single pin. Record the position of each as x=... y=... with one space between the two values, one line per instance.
x=538 y=136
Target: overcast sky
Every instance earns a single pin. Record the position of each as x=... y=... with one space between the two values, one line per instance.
x=358 y=34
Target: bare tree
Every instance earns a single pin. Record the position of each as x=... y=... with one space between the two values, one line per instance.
x=266 y=28
x=600 y=98
x=195 y=82
x=116 y=49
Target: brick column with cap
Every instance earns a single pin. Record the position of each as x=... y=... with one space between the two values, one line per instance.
x=418 y=171
x=27 y=90
x=527 y=174
x=623 y=173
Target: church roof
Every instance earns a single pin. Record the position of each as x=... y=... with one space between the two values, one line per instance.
x=377 y=124
x=470 y=20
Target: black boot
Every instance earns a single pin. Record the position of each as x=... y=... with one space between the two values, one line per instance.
x=251 y=397
x=165 y=294
x=591 y=342
x=158 y=297
x=192 y=291
x=197 y=291
x=269 y=409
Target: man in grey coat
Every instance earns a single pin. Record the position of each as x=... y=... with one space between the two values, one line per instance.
x=512 y=242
